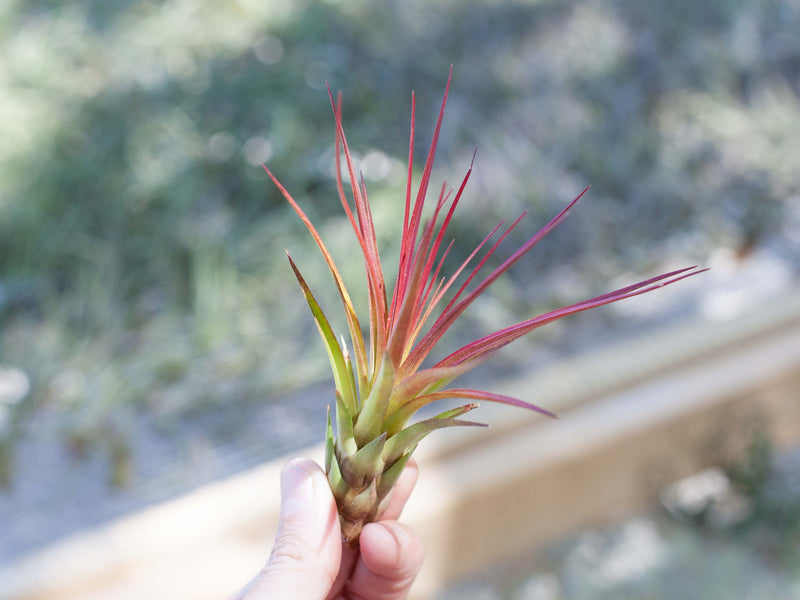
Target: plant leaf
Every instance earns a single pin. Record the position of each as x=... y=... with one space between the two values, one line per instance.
x=344 y=427
x=410 y=233
x=364 y=465
x=452 y=312
x=392 y=474
x=359 y=349
x=365 y=233
x=329 y=443
x=341 y=374
x=406 y=411
x=370 y=420
x=427 y=380
x=400 y=442
x=335 y=479
x=503 y=337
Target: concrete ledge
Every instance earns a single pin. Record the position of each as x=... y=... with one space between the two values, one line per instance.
x=670 y=408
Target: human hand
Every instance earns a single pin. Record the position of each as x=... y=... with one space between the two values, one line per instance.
x=309 y=561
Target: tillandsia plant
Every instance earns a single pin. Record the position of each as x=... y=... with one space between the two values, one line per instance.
x=380 y=381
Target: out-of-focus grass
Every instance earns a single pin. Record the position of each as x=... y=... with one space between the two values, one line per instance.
x=141 y=248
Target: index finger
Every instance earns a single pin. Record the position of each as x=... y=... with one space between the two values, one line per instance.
x=401 y=491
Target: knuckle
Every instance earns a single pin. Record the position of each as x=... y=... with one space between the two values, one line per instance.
x=291 y=546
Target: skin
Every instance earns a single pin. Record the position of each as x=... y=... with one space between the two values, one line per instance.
x=309 y=559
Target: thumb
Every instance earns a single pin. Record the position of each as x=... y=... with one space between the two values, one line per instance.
x=307 y=552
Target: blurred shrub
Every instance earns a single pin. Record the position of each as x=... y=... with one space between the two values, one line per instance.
x=139 y=238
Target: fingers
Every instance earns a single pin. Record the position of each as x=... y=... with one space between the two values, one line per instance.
x=391 y=557
x=305 y=559
x=402 y=490
x=397 y=499
x=307 y=554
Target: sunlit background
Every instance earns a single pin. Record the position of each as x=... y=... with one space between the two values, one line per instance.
x=152 y=337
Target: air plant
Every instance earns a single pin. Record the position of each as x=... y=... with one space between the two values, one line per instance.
x=380 y=381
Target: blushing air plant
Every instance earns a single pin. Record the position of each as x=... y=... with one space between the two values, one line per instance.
x=380 y=381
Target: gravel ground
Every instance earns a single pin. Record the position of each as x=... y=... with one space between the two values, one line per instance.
x=62 y=490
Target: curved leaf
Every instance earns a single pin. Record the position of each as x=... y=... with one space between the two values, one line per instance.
x=341 y=373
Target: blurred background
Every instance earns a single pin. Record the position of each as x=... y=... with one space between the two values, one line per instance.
x=152 y=338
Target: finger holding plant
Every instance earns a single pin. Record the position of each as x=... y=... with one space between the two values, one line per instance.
x=380 y=381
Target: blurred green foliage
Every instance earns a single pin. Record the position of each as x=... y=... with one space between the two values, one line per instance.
x=141 y=248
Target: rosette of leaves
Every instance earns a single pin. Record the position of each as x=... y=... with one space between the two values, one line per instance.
x=380 y=379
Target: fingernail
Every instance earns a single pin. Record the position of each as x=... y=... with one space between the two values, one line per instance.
x=306 y=501
x=297 y=489
x=393 y=540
